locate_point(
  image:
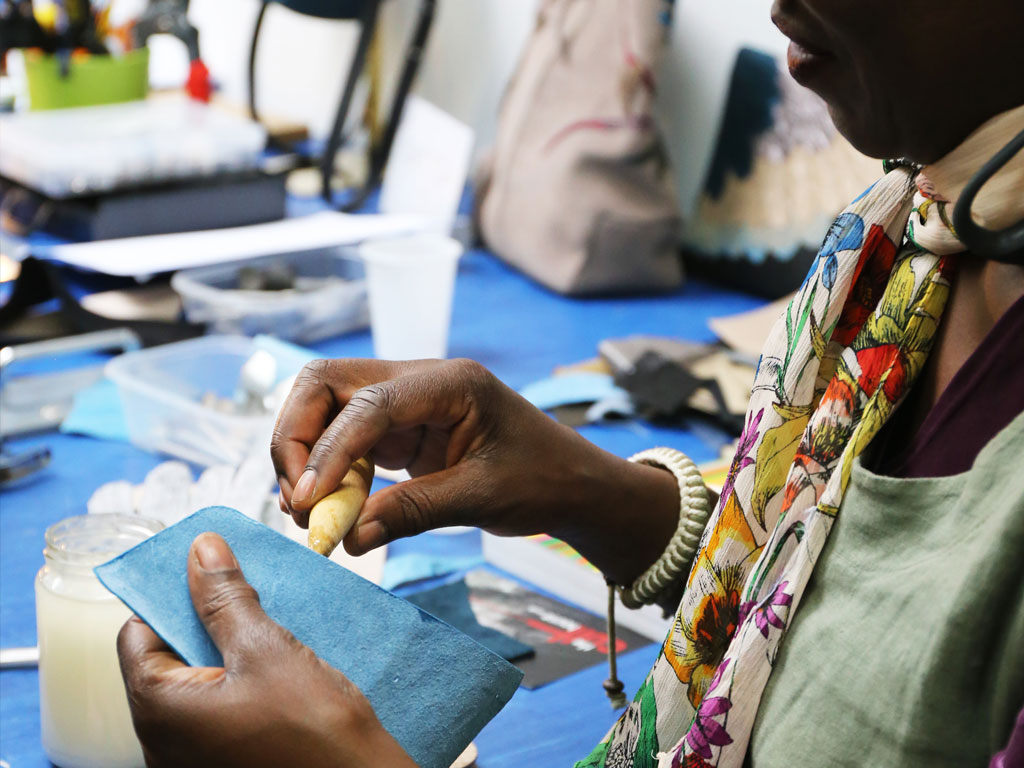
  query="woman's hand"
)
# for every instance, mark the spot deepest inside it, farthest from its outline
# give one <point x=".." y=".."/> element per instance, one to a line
<point x="479" y="454"/>
<point x="273" y="704"/>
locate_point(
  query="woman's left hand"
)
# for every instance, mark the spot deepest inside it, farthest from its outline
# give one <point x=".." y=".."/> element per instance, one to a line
<point x="273" y="703"/>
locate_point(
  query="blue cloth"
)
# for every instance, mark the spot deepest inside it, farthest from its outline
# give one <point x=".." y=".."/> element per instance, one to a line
<point x="416" y="566"/>
<point x="97" y="412"/>
<point x="450" y="602"/>
<point x="432" y="687"/>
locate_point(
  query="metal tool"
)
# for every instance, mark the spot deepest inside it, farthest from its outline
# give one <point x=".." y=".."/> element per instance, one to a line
<point x="14" y="466"/>
<point x="38" y="403"/>
<point x="19" y="658"/>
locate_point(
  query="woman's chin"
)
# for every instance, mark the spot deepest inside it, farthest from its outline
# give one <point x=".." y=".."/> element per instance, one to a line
<point x="868" y="136"/>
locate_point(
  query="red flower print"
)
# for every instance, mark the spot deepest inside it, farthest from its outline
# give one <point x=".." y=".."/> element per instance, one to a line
<point x="695" y="761"/>
<point x="680" y="759"/>
<point x="869" y="281"/>
<point x="874" y="362"/>
<point x="839" y="397"/>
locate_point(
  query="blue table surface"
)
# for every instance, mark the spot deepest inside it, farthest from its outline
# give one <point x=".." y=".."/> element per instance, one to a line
<point x="517" y="329"/>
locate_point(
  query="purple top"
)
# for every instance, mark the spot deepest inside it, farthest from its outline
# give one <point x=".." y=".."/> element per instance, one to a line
<point x="983" y="397"/>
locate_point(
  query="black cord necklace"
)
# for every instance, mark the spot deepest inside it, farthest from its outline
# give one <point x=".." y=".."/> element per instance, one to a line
<point x="1004" y="245"/>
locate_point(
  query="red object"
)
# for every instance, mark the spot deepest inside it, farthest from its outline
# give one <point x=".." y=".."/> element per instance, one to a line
<point x="198" y="83"/>
<point x="585" y="636"/>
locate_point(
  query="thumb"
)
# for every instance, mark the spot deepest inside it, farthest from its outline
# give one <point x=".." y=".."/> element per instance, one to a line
<point x="453" y="496"/>
<point x="226" y="603"/>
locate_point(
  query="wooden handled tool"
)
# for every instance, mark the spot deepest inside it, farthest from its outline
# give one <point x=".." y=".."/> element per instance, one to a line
<point x="333" y="516"/>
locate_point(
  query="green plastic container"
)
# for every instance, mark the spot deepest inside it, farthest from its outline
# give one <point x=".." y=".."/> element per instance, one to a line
<point x="91" y="80"/>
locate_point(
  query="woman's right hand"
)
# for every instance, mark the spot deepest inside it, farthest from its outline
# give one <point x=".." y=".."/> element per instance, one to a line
<point x="479" y="455"/>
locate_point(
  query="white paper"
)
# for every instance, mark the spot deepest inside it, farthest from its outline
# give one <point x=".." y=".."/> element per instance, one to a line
<point x="144" y="256"/>
<point x="428" y="165"/>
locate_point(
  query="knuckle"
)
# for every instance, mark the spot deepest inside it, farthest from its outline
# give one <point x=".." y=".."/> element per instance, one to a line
<point x="472" y="378"/>
<point x="277" y="444"/>
<point x="373" y="397"/>
<point x="314" y="373"/>
<point x="475" y="385"/>
<point x="226" y="595"/>
<point x="328" y="445"/>
<point x="277" y="439"/>
<point x="144" y="695"/>
<point x="469" y="371"/>
<point x="416" y="511"/>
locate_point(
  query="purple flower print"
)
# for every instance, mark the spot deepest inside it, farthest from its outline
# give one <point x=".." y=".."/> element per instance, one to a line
<point x="764" y="612"/>
<point x="706" y="731"/>
<point x="742" y="459"/>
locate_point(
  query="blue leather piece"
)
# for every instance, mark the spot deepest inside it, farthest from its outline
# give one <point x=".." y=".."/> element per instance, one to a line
<point x="432" y="687"/>
<point x="450" y="602"/>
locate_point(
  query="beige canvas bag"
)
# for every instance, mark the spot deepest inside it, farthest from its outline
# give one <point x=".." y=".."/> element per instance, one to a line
<point x="576" y="193"/>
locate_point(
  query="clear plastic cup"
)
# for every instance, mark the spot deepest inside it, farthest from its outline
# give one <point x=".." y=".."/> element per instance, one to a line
<point x="410" y="282"/>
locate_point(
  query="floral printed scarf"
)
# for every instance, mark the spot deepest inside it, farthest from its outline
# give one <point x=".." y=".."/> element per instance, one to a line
<point x="835" y="366"/>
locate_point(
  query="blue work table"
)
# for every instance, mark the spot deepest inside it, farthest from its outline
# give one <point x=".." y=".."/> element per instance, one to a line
<point x="518" y="330"/>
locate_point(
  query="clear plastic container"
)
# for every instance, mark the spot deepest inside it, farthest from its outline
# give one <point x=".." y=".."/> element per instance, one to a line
<point x="89" y="150"/>
<point x="166" y="395"/>
<point x="329" y="297"/>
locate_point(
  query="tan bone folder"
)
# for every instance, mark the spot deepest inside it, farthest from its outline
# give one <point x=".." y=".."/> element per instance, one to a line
<point x="333" y="516"/>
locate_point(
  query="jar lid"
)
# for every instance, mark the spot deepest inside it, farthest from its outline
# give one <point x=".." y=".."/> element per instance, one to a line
<point x="89" y="540"/>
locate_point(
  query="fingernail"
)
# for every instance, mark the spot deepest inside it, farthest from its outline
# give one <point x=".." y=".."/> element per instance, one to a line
<point x="282" y="503"/>
<point x="371" y="535"/>
<point x="213" y="553"/>
<point x="305" y="488"/>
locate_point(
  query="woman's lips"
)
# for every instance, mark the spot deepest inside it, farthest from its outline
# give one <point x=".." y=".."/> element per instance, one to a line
<point x="806" y="59"/>
<point x="806" y="62"/>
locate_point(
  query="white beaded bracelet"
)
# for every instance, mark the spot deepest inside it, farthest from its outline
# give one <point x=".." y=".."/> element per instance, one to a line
<point x="694" y="511"/>
<point x="674" y="563"/>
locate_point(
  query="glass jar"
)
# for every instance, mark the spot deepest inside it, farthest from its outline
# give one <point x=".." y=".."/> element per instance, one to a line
<point x="83" y="707"/>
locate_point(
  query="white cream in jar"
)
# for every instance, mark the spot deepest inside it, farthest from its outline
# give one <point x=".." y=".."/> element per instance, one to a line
<point x="83" y="706"/>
